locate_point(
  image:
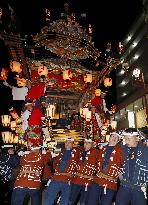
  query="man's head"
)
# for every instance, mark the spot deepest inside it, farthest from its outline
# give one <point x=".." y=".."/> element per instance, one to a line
<point x="146" y="142"/>
<point x="114" y="139"/>
<point x="88" y="143"/>
<point x="131" y="137"/>
<point x="11" y="151"/>
<point x="103" y="94"/>
<point x="33" y="147"/>
<point x="93" y="109"/>
<point x="69" y="143"/>
<point x="29" y="106"/>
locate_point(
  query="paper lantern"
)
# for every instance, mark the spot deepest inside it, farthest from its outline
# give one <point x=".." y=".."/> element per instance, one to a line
<point x="21" y="82"/>
<point x="6" y="136"/>
<point x="4" y="73"/>
<point x="67" y="75"/>
<point x="16" y="139"/>
<point x="11" y="139"/>
<point x="97" y="92"/>
<point x="50" y="111"/>
<point x="43" y="71"/>
<point x="107" y="138"/>
<point x="107" y="82"/>
<point x="13" y="125"/>
<point x="85" y="110"/>
<point x="16" y="67"/>
<point x="88" y="78"/>
<point x="113" y="124"/>
<point x="88" y="116"/>
<point x="6" y="120"/>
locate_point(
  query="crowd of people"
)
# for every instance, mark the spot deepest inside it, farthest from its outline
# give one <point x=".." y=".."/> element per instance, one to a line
<point x="88" y="174"/>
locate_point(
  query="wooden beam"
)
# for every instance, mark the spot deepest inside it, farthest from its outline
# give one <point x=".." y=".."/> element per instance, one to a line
<point x="72" y="97"/>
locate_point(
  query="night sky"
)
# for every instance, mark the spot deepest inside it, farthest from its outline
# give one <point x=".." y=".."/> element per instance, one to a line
<point x="111" y="20"/>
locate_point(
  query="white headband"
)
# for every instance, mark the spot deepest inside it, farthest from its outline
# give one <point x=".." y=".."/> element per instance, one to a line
<point x="130" y="134"/>
<point x="115" y="133"/>
<point x="28" y="103"/>
<point x="35" y="148"/>
<point x="10" y="146"/>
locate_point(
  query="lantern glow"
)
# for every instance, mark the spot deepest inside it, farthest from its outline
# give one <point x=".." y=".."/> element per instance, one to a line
<point x="16" y="67"/>
<point x="6" y="136"/>
<point x="6" y="120"/>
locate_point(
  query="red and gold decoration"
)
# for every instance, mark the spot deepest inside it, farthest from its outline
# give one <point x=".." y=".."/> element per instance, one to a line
<point x="66" y="77"/>
<point x="68" y="41"/>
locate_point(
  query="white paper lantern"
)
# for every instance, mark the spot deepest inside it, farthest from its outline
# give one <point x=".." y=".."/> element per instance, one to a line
<point x="16" y="139"/>
<point x="11" y="139"/>
<point x="50" y="111"/>
<point x="13" y="125"/>
<point x="6" y="136"/>
<point x="43" y="71"/>
<point x="16" y="67"/>
<point x="6" y="119"/>
<point x="85" y="110"/>
<point x="88" y="116"/>
<point x="113" y="124"/>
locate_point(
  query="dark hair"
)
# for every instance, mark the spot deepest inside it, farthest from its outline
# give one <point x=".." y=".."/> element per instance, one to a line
<point x="131" y="130"/>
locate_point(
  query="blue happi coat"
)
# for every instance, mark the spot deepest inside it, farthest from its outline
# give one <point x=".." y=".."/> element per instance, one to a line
<point x="7" y="164"/>
<point x="140" y="172"/>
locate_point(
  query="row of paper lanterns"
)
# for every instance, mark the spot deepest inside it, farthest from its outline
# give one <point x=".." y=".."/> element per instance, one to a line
<point x="43" y="71"/>
<point x="8" y="136"/>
